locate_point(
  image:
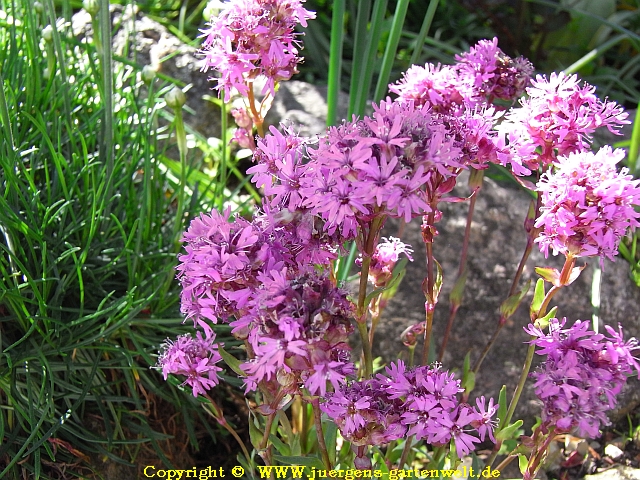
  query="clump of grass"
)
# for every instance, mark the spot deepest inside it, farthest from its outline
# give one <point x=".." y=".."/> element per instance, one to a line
<point x="88" y="242"/>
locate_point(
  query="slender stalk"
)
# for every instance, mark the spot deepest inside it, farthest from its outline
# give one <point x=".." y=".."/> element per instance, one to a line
<point x="335" y="60"/>
<point x="531" y="235"/>
<point x="535" y="460"/>
<point x="315" y="403"/>
<point x="255" y="114"/>
<point x="424" y="30"/>
<point x="405" y="452"/>
<point x="390" y="51"/>
<point x="564" y="277"/>
<point x="361" y="312"/>
<point x="512" y="290"/>
<point x="364" y="81"/>
<point x="219" y="416"/>
<point x="429" y="307"/>
<point x="454" y="303"/>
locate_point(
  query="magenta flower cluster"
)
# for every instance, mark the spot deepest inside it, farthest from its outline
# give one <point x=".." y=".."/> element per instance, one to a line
<point x="252" y="38"/>
<point x="398" y="163"/>
<point x="194" y="358"/>
<point x="298" y="328"/>
<point x="419" y="401"/>
<point x="479" y="76"/>
<point x="587" y="205"/>
<point x="557" y="118"/>
<point x="582" y="374"/>
<point x="259" y="277"/>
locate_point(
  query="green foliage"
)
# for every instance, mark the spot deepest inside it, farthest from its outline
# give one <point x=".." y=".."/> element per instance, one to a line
<point x="89" y="238"/>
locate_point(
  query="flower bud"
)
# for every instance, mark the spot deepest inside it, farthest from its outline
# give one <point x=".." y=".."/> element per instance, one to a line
<point x="38" y="7"/>
<point x="175" y="98"/>
<point x="148" y="74"/>
<point x="91" y="6"/>
<point x="46" y="74"/>
<point x="47" y="34"/>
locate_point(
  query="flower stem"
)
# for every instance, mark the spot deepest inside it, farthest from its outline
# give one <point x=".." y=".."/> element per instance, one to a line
<point x="405" y="452"/>
<point x="361" y="311"/>
<point x="566" y="271"/>
<point x="216" y="411"/>
<point x="532" y="233"/>
<point x="429" y="306"/>
<point x="256" y="115"/>
<point x="315" y="403"/>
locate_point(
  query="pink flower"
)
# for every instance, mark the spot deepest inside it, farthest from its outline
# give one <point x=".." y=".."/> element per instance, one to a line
<point x="193" y="357"/>
<point x="557" y="119"/>
<point x="252" y="38"/>
<point x="587" y="205"/>
<point x="582" y="374"/>
<point x="479" y="76"/>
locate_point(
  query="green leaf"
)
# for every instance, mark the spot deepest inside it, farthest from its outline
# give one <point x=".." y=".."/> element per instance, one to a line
<point x="282" y="447"/>
<point x="509" y="432"/>
<point x="468" y="375"/>
<point x="255" y="434"/>
<point x="455" y="297"/>
<point x="310" y="461"/>
<point x="551" y="275"/>
<point x="330" y="439"/>
<point x="232" y="362"/>
<point x="502" y="404"/>
<point x="543" y="322"/>
<point x="522" y="463"/>
<point x="511" y="304"/>
<point x="538" y="298"/>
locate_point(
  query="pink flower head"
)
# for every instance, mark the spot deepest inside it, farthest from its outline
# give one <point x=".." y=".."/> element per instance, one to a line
<point x="582" y="374"/>
<point x="379" y="165"/>
<point x="587" y="205"/>
<point x="252" y="38"/>
<point x="557" y="119"/>
<point x="419" y="401"/>
<point x="480" y="75"/>
<point x="298" y="328"/>
<point x="193" y="357"/>
<point x="494" y="74"/>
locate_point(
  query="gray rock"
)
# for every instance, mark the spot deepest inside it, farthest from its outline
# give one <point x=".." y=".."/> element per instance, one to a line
<point x="619" y="472"/>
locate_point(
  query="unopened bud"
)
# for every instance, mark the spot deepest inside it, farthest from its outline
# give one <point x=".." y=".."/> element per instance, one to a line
<point x="46" y="73"/>
<point x="148" y="74"/>
<point x="91" y="6"/>
<point x="175" y="98"/>
<point x="38" y="7"/>
<point x="411" y="334"/>
<point x="47" y="34"/>
<point x="242" y="118"/>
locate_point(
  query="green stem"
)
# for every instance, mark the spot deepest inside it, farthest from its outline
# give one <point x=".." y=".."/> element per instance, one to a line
<point x="462" y="267"/>
<point x="564" y="275"/>
<point x="364" y="82"/>
<point x="216" y="411"/>
<point x="335" y="60"/>
<point x="390" y="51"/>
<point x="181" y="139"/>
<point x="359" y="50"/>
<point x="424" y="30"/>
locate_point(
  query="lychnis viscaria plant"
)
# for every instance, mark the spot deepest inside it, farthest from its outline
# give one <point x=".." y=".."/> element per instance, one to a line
<point x="273" y="277"/>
